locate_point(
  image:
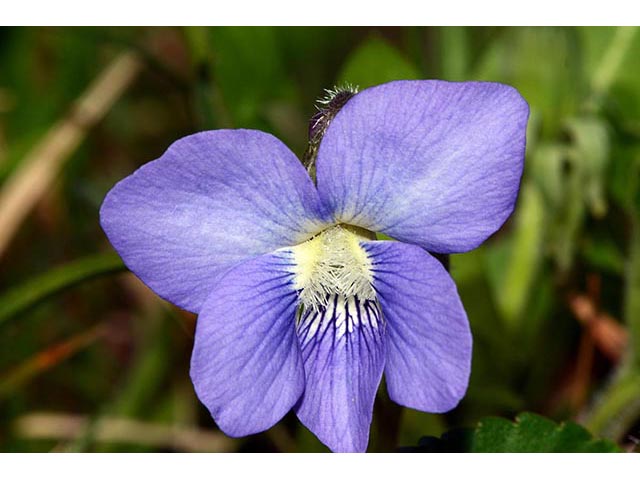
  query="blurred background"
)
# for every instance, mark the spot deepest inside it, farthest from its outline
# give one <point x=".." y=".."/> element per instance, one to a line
<point x="91" y="360"/>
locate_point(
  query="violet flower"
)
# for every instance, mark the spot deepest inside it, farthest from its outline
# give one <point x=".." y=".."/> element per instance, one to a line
<point x="298" y="305"/>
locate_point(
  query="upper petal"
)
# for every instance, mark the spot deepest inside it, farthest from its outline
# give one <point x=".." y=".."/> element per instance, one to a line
<point x="246" y="365"/>
<point x="428" y="162"/>
<point x="428" y="358"/>
<point x="211" y="200"/>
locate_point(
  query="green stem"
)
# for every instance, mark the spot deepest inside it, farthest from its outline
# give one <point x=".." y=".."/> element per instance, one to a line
<point x="611" y="62"/>
<point x="209" y="106"/>
<point x="618" y="408"/>
<point x="387" y="418"/>
<point x="619" y="405"/>
<point x="455" y="57"/>
<point x="38" y="289"/>
<point x="632" y="294"/>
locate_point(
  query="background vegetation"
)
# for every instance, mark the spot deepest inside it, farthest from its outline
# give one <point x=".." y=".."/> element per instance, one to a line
<point x="90" y="360"/>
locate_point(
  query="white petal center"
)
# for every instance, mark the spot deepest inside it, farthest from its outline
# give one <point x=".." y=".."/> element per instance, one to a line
<point x="332" y="263"/>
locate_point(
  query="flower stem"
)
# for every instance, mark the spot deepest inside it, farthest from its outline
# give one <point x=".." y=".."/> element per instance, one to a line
<point x="328" y="107"/>
<point x="387" y="419"/>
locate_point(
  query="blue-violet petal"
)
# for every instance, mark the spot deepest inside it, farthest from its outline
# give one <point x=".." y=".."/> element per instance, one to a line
<point x="428" y="337"/>
<point x="428" y="162"/>
<point x="246" y="364"/>
<point x="211" y="200"/>
<point x="343" y="353"/>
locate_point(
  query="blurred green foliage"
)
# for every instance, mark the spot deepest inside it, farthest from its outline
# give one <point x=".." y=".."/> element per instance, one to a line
<point x="529" y="433"/>
<point x="575" y="234"/>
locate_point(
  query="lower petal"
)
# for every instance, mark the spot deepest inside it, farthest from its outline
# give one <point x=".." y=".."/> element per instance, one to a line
<point x="343" y="353"/>
<point x="428" y="359"/>
<point x="246" y="364"/>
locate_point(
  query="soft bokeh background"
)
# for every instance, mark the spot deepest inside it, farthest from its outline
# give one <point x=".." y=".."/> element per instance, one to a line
<point x="91" y="360"/>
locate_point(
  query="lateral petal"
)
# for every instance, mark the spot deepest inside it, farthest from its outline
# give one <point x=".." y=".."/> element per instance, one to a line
<point x="211" y="200"/>
<point x="246" y="364"/>
<point x="428" y="355"/>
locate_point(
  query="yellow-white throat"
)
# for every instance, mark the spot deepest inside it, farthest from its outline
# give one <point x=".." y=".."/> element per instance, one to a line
<point x="333" y="263"/>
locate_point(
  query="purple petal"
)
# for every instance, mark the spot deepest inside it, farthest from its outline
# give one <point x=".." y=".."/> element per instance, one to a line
<point x="428" y="162"/>
<point x="246" y="365"/>
<point x="428" y="337"/>
<point x="343" y="353"/>
<point x="211" y="200"/>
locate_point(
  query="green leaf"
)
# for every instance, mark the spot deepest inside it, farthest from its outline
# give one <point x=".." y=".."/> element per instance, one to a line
<point x="208" y="102"/>
<point x="589" y="154"/>
<point x="603" y="254"/>
<point x="250" y="70"/>
<point x="568" y="220"/>
<point x="533" y="433"/>
<point x="617" y="408"/>
<point x="623" y="175"/>
<point x="520" y="258"/>
<point x="495" y="361"/>
<point x="543" y="63"/>
<point x="632" y="293"/>
<point x="529" y="433"/>
<point x="37" y="289"/>
<point x="454" y="52"/>
<point x="609" y="62"/>
<point x="572" y="178"/>
<point x="545" y="167"/>
<point x="375" y="62"/>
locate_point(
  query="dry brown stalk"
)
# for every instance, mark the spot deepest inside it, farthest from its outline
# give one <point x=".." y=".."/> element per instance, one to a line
<point x="40" y="168"/>
<point x="609" y="336"/>
<point x="47" y="359"/>
<point x="57" y="426"/>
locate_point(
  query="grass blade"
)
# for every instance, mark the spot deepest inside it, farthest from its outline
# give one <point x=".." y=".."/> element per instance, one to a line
<point x="37" y="289"/>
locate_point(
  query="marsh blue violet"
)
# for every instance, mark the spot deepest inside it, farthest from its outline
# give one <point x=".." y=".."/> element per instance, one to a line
<point x="299" y="306"/>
